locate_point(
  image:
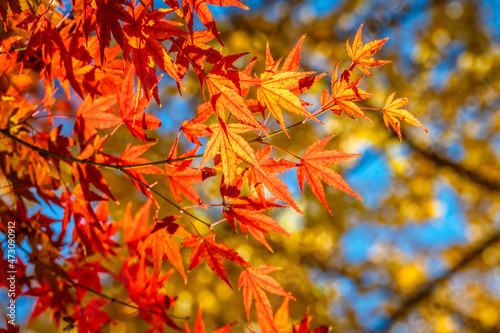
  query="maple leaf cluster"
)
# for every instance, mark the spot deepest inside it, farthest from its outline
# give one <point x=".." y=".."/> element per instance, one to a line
<point x="43" y="165"/>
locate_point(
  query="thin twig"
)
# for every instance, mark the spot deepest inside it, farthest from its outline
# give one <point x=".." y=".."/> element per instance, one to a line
<point x="97" y="164"/>
<point x="189" y="57"/>
<point x="182" y="211"/>
<point x="265" y="137"/>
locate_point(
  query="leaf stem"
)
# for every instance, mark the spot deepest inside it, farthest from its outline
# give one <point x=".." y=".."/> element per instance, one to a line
<point x="281" y="149"/>
<point x="14" y="50"/>
<point x="188" y="56"/>
<point x="149" y="188"/>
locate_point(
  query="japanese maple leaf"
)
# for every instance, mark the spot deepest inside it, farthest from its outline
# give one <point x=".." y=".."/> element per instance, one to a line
<point x="199" y="326"/>
<point x="147" y="292"/>
<point x="131" y="156"/>
<point x="135" y="228"/>
<point x="46" y="38"/>
<point x="255" y="283"/>
<point x="265" y="176"/>
<point x="259" y="225"/>
<point x="88" y="175"/>
<point x="89" y="230"/>
<point x="92" y="115"/>
<point x="90" y="318"/>
<point x="194" y="128"/>
<point x="231" y="146"/>
<point x="393" y="113"/>
<point x="195" y="47"/>
<point x="275" y="89"/>
<point x="131" y="109"/>
<point x="144" y="36"/>
<point x="360" y="53"/>
<point x="313" y="168"/>
<point x="86" y="274"/>
<point x="163" y="245"/>
<point x="206" y="248"/>
<point x="46" y="300"/>
<point x="181" y="176"/>
<point x="14" y="5"/>
<point x="109" y="13"/>
<point x="204" y="13"/>
<point x="227" y="89"/>
<point x="343" y="96"/>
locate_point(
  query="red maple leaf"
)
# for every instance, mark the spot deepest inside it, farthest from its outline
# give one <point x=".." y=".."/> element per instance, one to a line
<point x="109" y="13"/>
<point x="313" y="168"/>
<point x="181" y="176"/>
<point x="204" y="13"/>
<point x="206" y="248"/>
<point x="92" y="115"/>
<point x="143" y="37"/>
<point x="232" y="148"/>
<point x="259" y="225"/>
<point x="131" y="109"/>
<point x="199" y="326"/>
<point x="162" y="244"/>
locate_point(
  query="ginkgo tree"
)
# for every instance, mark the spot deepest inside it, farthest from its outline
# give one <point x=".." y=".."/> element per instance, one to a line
<point x="108" y="57"/>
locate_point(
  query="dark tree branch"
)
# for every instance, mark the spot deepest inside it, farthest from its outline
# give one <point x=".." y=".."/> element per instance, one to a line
<point x="427" y="289"/>
<point x="96" y="164"/>
<point x="478" y="178"/>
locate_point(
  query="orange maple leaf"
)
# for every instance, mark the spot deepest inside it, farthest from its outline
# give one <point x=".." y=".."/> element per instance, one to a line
<point x="194" y="128"/>
<point x="199" y="326"/>
<point x="255" y="282"/>
<point x="360" y="53"/>
<point x="250" y="219"/>
<point x="313" y="168"/>
<point x="163" y="245"/>
<point x="135" y="228"/>
<point x="225" y="96"/>
<point x="264" y="175"/>
<point x="343" y="96"/>
<point x="393" y="113"/>
<point x="92" y="115"/>
<point x="231" y="146"/>
<point x="275" y="89"/>
<point x="181" y="175"/>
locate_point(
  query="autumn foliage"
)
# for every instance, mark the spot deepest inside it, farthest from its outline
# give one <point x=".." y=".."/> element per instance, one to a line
<point x="109" y="56"/>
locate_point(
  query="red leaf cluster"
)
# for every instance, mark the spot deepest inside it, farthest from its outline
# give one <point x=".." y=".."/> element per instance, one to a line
<point x="49" y="166"/>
